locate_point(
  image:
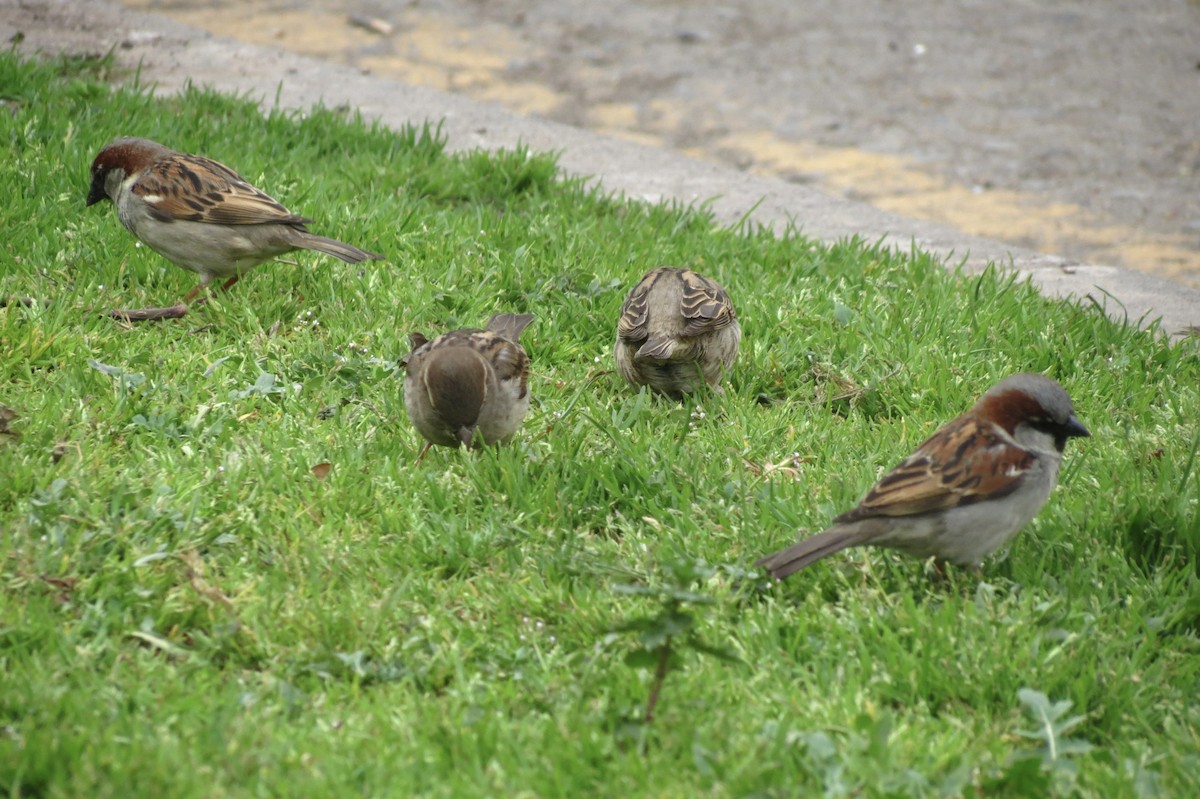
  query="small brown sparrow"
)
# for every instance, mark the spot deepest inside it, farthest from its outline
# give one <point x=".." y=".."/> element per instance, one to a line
<point x="967" y="490"/>
<point x="200" y="215"/>
<point x="468" y="386"/>
<point x="677" y="329"/>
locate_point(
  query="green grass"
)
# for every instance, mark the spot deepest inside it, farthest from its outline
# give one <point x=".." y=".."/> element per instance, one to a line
<point x="187" y="610"/>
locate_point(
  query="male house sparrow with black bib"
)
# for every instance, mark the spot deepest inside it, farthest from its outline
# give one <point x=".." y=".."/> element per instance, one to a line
<point x="967" y="490"/>
<point x="468" y="386"/>
<point x="200" y="215"/>
<point x="677" y="331"/>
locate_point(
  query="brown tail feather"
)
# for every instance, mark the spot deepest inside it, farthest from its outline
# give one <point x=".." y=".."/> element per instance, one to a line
<point x="787" y="561"/>
<point x="509" y="325"/>
<point x="338" y="249"/>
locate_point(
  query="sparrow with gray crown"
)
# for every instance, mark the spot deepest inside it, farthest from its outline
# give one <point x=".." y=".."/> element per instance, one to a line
<point x="967" y="490"/>
<point x="469" y="386"/>
<point x="677" y="331"/>
<point x="200" y="215"/>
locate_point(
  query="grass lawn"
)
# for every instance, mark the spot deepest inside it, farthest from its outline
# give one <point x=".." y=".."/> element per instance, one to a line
<point x="221" y="573"/>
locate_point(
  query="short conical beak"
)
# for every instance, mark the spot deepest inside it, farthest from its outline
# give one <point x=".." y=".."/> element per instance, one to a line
<point x="1075" y="429"/>
<point x="96" y="193"/>
<point x="467" y="436"/>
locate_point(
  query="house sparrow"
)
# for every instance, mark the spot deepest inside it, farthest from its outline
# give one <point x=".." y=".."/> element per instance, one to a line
<point x="677" y="328"/>
<point x="967" y="490"/>
<point x="200" y="215"/>
<point x="468" y="386"/>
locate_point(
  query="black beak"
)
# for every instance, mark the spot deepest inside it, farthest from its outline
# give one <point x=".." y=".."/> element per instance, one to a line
<point x="96" y="192"/>
<point x="1075" y="429"/>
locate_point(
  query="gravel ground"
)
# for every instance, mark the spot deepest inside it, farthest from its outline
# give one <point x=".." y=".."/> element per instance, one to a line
<point x="1065" y="126"/>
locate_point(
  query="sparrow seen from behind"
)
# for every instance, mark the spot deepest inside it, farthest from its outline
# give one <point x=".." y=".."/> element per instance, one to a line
<point x="677" y="331"/>
<point x="468" y="387"/>
<point x="967" y="490"/>
<point x="200" y="215"/>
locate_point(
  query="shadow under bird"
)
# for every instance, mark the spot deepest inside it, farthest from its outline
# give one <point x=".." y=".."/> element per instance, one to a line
<point x="200" y="215"/>
<point x="677" y="331"/>
<point x="469" y="386"/>
<point x="967" y="490"/>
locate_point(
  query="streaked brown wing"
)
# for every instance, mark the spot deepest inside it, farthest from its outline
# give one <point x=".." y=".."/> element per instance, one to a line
<point x="962" y="463"/>
<point x="510" y="362"/>
<point x="631" y="325"/>
<point x="705" y="305"/>
<point x="198" y="189"/>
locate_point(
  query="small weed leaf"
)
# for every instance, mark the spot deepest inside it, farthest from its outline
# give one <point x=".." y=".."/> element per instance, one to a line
<point x="1053" y="725"/>
<point x="125" y="378"/>
<point x="825" y="764"/>
<point x="264" y="386"/>
<point x="1146" y="783"/>
<point x="212" y="367"/>
<point x="660" y="636"/>
<point x="51" y="495"/>
<point x="668" y="625"/>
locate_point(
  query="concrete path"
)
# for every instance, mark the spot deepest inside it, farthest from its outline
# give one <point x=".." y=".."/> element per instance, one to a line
<point x="169" y="54"/>
<point x="1069" y="128"/>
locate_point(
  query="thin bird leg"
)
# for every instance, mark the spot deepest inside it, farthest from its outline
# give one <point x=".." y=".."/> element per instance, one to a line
<point x="421" y="457"/>
<point x="191" y="295"/>
<point x="172" y="312"/>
